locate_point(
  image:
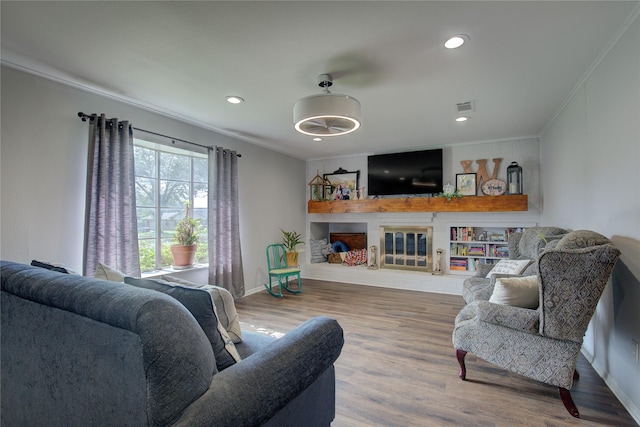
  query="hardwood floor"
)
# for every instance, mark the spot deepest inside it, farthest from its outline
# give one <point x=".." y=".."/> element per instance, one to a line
<point x="398" y="366"/>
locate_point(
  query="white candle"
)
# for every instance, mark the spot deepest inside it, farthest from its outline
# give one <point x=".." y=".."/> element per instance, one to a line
<point x="512" y="188"/>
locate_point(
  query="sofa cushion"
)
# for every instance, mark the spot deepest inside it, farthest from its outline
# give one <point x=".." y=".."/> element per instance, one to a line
<point x="104" y="272"/>
<point x="509" y="266"/>
<point x="224" y="304"/>
<point x="516" y="291"/>
<point x="201" y="306"/>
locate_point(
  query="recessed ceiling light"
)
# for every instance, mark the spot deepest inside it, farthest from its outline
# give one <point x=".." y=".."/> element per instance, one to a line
<point x="234" y="99"/>
<point x="456" y="41"/>
<point x="462" y="119"/>
<point x="317" y="139"/>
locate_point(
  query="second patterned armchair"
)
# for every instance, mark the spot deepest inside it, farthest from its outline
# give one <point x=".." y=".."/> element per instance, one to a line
<point x="543" y="343"/>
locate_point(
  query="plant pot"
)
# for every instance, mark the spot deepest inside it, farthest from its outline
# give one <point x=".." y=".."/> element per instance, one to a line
<point x="183" y="256"/>
<point x="292" y="259"/>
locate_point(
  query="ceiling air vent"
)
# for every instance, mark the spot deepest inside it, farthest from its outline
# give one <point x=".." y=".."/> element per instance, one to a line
<point x="465" y="107"/>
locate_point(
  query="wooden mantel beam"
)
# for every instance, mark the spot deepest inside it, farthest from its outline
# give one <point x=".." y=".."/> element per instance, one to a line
<point x="507" y="203"/>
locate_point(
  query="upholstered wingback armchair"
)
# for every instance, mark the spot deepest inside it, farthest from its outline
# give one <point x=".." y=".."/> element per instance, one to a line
<point x="543" y="343"/>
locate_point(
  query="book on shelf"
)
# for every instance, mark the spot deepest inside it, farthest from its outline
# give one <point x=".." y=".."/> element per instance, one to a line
<point x="463" y="234"/>
<point x="476" y="251"/>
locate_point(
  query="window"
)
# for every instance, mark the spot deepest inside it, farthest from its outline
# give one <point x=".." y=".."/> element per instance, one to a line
<point x="166" y="179"/>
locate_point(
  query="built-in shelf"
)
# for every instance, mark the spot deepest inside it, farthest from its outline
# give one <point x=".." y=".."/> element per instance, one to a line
<point x="507" y="203"/>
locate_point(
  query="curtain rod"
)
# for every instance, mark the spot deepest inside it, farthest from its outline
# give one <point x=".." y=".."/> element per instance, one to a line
<point x="84" y="118"/>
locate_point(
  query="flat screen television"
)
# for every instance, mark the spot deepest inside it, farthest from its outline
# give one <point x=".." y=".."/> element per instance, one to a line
<point x="409" y="173"/>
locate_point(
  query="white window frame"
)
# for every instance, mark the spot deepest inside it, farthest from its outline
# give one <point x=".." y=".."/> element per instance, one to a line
<point x="167" y="149"/>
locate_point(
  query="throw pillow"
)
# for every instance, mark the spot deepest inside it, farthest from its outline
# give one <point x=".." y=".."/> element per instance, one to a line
<point x="516" y="291"/>
<point x="104" y="272"/>
<point x="224" y="304"/>
<point x="317" y="247"/>
<point x="356" y="257"/>
<point x="199" y="303"/>
<point x="54" y="266"/>
<point x="509" y="266"/>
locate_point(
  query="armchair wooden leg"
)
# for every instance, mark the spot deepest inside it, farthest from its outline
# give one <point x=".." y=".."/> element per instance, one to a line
<point x="460" y="354"/>
<point x="565" y="395"/>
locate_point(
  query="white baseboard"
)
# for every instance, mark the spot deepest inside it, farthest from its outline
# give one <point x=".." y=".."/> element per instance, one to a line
<point x="628" y="404"/>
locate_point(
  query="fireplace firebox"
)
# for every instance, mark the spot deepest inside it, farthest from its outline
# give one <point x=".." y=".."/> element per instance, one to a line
<point x="406" y="247"/>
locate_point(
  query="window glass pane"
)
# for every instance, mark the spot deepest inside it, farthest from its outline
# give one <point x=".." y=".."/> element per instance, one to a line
<point x="175" y="166"/>
<point x="147" y="248"/>
<point x="169" y="221"/>
<point x="399" y="243"/>
<point x="145" y="161"/>
<point x="173" y="193"/>
<point x="200" y="196"/>
<point x="165" y="254"/>
<point x="145" y="192"/>
<point x="146" y="223"/>
<point x="200" y="169"/>
<point x="411" y="244"/>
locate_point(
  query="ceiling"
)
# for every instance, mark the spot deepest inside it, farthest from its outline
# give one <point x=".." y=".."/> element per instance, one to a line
<point x="182" y="58"/>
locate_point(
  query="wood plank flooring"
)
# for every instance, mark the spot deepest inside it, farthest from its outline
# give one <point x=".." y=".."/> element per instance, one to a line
<point x="398" y="366"/>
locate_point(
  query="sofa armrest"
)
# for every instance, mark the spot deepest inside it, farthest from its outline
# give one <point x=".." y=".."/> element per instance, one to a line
<point x="520" y="319"/>
<point x="253" y="390"/>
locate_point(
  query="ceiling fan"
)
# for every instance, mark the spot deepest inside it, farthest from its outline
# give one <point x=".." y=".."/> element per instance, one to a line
<point x="326" y="114"/>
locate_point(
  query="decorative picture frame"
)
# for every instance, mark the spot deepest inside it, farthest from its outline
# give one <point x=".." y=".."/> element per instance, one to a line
<point x="343" y="183"/>
<point x="466" y="183"/>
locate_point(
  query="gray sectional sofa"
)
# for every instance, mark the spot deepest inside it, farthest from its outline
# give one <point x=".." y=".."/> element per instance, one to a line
<point x="78" y="351"/>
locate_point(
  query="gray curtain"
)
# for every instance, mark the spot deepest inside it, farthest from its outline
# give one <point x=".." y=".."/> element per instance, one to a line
<point x="111" y="234"/>
<point x="225" y="257"/>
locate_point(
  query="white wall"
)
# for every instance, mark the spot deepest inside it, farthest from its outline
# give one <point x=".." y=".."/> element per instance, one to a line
<point x="44" y="158"/>
<point x="590" y="180"/>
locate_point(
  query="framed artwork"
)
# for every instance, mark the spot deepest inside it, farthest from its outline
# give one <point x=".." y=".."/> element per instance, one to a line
<point x="466" y="183"/>
<point x="343" y="184"/>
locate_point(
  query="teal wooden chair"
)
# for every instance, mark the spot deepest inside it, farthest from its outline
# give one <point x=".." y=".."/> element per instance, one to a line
<point x="280" y="271"/>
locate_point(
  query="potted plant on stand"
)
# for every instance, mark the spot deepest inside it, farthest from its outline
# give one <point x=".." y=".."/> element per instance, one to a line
<point x="291" y="239"/>
<point x="186" y="238"/>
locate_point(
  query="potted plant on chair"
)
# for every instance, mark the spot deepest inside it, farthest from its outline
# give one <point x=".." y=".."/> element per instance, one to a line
<point x="291" y="239"/>
<point x="186" y="238"/>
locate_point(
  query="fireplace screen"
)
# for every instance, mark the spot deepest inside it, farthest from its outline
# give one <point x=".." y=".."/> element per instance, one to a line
<point x="408" y="248"/>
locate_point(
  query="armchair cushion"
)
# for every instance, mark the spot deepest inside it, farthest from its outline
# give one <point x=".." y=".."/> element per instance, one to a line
<point x="517" y="318"/>
<point x="516" y="291"/>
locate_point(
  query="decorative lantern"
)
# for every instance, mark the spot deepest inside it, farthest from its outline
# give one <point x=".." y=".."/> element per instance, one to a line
<point x="514" y="178"/>
<point x="319" y="188"/>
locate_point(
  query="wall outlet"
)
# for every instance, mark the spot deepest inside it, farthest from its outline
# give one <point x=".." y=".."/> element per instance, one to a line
<point x="636" y="350"/>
